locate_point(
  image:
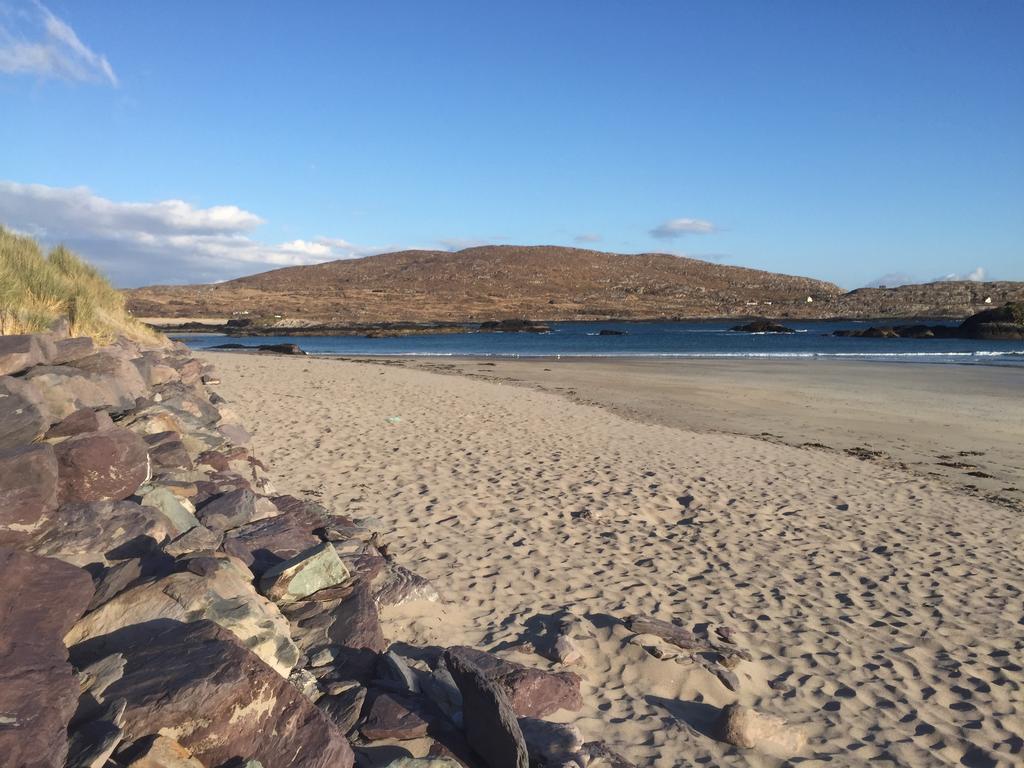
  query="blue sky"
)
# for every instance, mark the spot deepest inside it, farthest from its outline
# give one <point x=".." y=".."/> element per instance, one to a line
<point x="182" y="142"/>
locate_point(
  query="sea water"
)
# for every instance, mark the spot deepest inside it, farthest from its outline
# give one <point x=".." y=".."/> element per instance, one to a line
<point x="711" y="339"/>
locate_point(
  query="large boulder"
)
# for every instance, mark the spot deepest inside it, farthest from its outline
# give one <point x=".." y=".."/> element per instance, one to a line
<point x="531" y="692"/>
<point x="28" y="491"/>
<point x="230" y="510"/>
<point x="999" y="323"/>
<point x="102" y="532"/>
<point x="356" y="628"/>
<point x="102" y="466"/>
<point x="217" y="588"/>
<point x="197" y="683"/>
<point x="69" y="350"/>
<point x="18" y="353"/>
<point x="488" y="718"/>
<point x="23" y="417"/>
<point x="40" y="600"/>
<point x="305" y="574"/>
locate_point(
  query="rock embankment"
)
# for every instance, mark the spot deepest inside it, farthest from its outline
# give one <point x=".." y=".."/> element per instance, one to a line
<point x="163" y="605"/>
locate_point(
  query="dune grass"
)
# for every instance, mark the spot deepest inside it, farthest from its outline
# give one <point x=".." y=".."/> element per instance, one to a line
<point x="37" y="289"/>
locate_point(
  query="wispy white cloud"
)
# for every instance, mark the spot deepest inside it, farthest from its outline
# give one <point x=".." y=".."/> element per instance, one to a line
<point x="34" y="41"/>
<point x="893" y="279"/>
<point x="673" y="228"/>
<point x="165" y="241"/>
<point x="588" y="237"/>
<point x="976" y="275"/>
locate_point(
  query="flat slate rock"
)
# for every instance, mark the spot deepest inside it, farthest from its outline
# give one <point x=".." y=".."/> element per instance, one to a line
<point x="228" y="510"/>
<point x="41" y="599"/>
<point x="393" y="716"/>
<point x="82" y="420"/>
<point x="18" y="353"/>
<point x="197" y="681"/>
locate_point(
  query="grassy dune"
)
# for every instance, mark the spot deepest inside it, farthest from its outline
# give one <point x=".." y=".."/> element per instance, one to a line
<point x="36" y="289"/>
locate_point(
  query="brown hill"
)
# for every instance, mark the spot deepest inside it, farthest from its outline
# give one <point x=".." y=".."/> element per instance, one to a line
<point x="549" y="283"/>
<point x="539" y="282"/>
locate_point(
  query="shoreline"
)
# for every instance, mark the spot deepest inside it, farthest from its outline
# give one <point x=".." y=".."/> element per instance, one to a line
<point x="681" y="395"/>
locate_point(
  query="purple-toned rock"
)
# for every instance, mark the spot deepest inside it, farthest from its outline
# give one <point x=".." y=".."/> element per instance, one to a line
<point x="488" y="718"/>
<point x="22" y="415"/>
<point x="28" y="492"/>
<point x="69" y="350"/>
<point x="83" y="533"/>
<point x="18" y="353"/>
<point x="167" y="451"/>
<point x="219" y="700"/>
<point x="228" y="510"/>
<point x="270" y="541"/>
<point x="102" y="466"/>
<point x="41" y="599"/>
<point x="531" y="692"/>
<point x="81" y="421"/>
<point x="394" y="717"/>
<point x="357" y="629"/>
<point x="344" y="708"/>
<point x="96" y="381"/>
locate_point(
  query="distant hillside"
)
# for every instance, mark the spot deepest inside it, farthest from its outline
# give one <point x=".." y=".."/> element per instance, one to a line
<point x="548" y="283"/>
<point x="492" y="282"/>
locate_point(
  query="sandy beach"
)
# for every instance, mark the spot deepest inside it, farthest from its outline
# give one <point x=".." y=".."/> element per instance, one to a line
<point x="881" y="604"/>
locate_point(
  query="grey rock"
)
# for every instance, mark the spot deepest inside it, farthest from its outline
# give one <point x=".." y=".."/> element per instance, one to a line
<point x="18" y="353"/>
<point x="344" y="708"/>
<point x="301" y="576"/>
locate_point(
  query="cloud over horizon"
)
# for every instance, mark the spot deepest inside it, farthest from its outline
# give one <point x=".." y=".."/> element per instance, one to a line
<point x="674" y="228"/>
<point x="168" y="241"/>
<point x="894" y="279"/>
<point x="36" y="42"/>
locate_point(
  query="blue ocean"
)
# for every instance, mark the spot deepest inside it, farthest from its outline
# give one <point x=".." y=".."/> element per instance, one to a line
<point x="656" y="340"/>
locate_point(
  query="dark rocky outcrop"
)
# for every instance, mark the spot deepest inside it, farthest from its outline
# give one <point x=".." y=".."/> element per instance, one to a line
<point x="1004" y="323"/>
<point x="40" y="600"/>
<point x="762" y="326"/>
<point x="611" y="332"/>
<point x="514" y="326"/>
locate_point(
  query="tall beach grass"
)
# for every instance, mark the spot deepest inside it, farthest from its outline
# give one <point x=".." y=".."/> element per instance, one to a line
<point x="37" y="289"/>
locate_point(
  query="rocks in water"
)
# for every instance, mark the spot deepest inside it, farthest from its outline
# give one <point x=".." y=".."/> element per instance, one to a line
<point x="747" y="728"/>
<point x="611" y="332"/>
<point x="1004" y="323"/>
<point x="762" y="326"/>
<point x="301" y="576"/>
<point x="393" y="716"/>
<point x="217" y="588"/>
<point x="489" y="720"/>
<point x="41" y="599"/>
<point x="197" y="682"/>
<point x="515" y="326"/>
<point x="102" y="466"/>
<point x="531" y="692"/>
<point x="28" y="491"/>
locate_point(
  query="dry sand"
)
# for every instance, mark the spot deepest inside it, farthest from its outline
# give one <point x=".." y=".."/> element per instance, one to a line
<point x="891" y="604"/>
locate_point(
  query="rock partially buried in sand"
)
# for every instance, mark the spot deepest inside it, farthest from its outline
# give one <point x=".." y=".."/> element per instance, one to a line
<point x="750" y="729"/>
<point x="306" y="573"/>
<point x="489" y="721"/>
